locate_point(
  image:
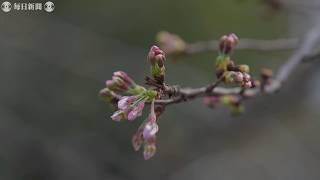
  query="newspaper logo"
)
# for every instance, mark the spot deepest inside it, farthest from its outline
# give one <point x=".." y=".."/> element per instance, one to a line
<point x="49" y="6"/>
<point x="7" y="6"/>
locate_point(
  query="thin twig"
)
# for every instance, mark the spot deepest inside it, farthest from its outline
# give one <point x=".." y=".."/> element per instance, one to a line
<point x="244" y="44"/>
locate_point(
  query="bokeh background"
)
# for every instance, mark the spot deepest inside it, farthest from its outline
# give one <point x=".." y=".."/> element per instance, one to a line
<point x="53" y="125"/>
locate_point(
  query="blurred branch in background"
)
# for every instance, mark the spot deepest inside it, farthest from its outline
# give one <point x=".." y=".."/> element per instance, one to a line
<point x="173" y="44"/>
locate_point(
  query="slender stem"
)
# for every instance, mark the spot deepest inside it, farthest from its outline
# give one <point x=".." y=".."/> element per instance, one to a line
<point x="244" y="44"/>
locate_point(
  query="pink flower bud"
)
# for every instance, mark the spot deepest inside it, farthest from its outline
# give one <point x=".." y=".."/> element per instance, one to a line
<point x="156" y="56"/>
<point x="137" y="140"/>
<point x="227" y="43"/>
<point x="122" y="75"/>
<point x="247" y="84"/>
<point x="238" y="76"/>
<point x="246" y="77"/>
<point x="149" y="148"/>
<point x="150" y="130"/>
<point x="120" y="82"/>
<point x="118" y="115"/>
<point x="125" y="102"/>
<point x="136" y="111"/>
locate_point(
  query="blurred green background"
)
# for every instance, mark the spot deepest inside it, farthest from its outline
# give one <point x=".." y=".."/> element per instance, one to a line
<point x="53" y="125"/>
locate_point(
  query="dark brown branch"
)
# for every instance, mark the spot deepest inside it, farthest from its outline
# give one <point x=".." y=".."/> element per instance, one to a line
<point x="303" y="53"/>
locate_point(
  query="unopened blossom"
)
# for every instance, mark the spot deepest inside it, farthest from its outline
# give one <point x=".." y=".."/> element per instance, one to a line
<point x="149" y="148"/>
<point x="157" y="59"/>
<point x="232" y="76"/>
<point x="244" y="68"/>
<point x="151" y="127"/>
<point x="124" y="76"/>
<point x="129" y="108"/>
<point x="120" y="82"/>
<point x="156" y="56"/>
<point x="228" y="43"/>
<point x="136" y="111"/>
<point x="247" y="84"/>
<point x="109" y="96"/>
<point x="146" y="135"/>
<point x="137" y="138"/>
<point x="125" y="102"/>
<point x="222" y="64"/>
<point x="118" y="115"/>
<point x="148" y="141"/>
<point x="247" y="81"/>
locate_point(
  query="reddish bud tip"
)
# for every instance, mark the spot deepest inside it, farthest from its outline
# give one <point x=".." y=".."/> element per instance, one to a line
<point x="227" y="43"/>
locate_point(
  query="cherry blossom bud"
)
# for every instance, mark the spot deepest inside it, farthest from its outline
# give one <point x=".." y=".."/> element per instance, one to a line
<point x="222" y="64"/>
<point x="122" y="75"/>
<point x="137" y="139"/>
<point x="247" y="84"/>
<point x="227" y="43"/>
<point x="125" y="102"/>
<point x="246" y="77"/>
<point x="244" y="68"/>
<point x="118" y="115"/>
<point x="151" y="127"/>
<point x="171" y="43"/>
<point x="120" y="82"/>
<point x="231" y="66"/>
<point x="156" y="56"/>
<point x="107" y="94"/>
<point x="238" y="77"/>
<point x="231" y="76"/>
<point x="150" y="130"/>
<point x="136" y="111"/>
<point x="149" y="148"/>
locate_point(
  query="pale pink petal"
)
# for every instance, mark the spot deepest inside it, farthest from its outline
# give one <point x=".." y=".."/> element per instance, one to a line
<point x="137" y="141"/>
<point x="150" y="130"/>
<point x="125" y="102"/>
<point x="136" y="111"/>
<point x="149" y="150"/>
<point x="118" y="116"/>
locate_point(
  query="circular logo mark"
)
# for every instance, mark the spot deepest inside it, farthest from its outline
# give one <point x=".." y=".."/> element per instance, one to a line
<point x="6" y="6"/>
<point x="49" y="6"/>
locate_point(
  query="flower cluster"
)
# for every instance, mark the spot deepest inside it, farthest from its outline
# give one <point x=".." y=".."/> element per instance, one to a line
<point x="130" y="99"/>
<point x="227" y="69"/>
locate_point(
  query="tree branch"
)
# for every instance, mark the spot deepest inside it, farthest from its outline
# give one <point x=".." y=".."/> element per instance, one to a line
<point x="302" y="53"/>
